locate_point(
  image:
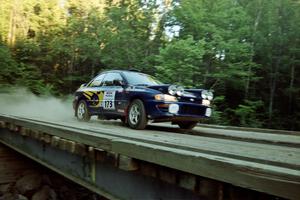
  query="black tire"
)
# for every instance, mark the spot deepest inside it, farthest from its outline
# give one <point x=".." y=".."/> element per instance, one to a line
<point x="82" y="112"/>
<point x="187" y="125"/>
<point x="136" y="115"/>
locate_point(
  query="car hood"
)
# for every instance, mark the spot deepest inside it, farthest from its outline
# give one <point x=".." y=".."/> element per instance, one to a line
<point x="189" y="93"/>
<point x="162" y="88"/>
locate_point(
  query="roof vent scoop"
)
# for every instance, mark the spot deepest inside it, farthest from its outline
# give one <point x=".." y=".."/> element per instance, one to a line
<point x="134" y="70"/>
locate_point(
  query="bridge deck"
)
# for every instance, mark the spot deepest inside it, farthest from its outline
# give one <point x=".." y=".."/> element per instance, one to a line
<point x="266" y="162"/>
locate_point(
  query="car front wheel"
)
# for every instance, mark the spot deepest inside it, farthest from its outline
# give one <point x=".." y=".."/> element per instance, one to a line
<point x="82" y="112"/>
<point x="187" y="125"/>
<point x="137" y="115"/>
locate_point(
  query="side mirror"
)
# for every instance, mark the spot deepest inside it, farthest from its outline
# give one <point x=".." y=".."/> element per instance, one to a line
<point x="118" y="83"/>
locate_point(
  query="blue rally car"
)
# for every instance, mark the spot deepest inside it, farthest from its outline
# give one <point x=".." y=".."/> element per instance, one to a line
<point x="137" y="98"/>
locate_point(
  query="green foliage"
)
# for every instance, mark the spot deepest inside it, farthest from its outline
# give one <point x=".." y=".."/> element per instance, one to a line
<point x="249" y="113"/>
<point x="32" y="79"/>
<point x="18" y="73"/>
<point x="218" y="115"/>
<point x="179" y="61"/>
<point x="8" y="67"/>
<point x="127" y="35"/>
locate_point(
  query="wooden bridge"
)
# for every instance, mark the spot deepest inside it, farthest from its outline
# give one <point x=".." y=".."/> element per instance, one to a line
<point x="162" y="162"/>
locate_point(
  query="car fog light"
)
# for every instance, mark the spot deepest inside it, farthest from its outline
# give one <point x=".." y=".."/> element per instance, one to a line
<point x="205" y="102"/>
<point x="208" y="112"/>
<point x="173" y="108"/>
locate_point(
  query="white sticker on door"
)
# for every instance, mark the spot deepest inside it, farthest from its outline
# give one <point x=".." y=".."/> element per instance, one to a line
<point x="108" y="101"/>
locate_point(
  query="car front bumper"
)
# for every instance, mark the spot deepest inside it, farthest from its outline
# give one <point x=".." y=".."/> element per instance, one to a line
<point x="166" y="111"/>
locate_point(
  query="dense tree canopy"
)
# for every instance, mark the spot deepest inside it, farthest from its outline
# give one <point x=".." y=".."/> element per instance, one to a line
<point x="247" y="52"/>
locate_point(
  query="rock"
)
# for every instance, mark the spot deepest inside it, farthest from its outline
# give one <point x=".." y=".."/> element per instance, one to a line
<point x="8" y="196"/>
<point x="4" y="188"/>
<point x="45" y="193"/>
<point x="11" y="196"/>
<point x="29" y="183"/>
<point x="66" y="193"/>
<point x="21" y="197"/>
<point x="29" y="171"/>
<point x="46" y="180"/>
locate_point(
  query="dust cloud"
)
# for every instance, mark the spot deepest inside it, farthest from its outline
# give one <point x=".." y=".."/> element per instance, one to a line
<point x="21" y="102"/>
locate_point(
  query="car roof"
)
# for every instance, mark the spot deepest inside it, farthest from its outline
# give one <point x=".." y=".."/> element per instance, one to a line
<point x="121" y="70"/>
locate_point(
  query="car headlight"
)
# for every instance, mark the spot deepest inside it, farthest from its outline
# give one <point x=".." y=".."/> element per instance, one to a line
<point x="207" y="95"/>
<point x="210" y="95"/>
<point x="165" y="97"/>
<point x="204" y="94"/>
<point x="172" y="89"/>
<point x="180" y="91"/>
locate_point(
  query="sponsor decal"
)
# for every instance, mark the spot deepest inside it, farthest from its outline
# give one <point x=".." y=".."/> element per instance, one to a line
<point x="106" y="100"/>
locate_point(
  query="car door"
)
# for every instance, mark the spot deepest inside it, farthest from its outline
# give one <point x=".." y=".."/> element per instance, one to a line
<point x="113" y="95"/>
<point x="93" y="94"/>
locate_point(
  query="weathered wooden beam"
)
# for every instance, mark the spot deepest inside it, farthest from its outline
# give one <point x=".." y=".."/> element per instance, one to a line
<point x="127" y="163"/>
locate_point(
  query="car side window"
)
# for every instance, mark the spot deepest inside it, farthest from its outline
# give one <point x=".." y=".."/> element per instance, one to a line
<point x="111" y="79"/>
<point x="97" y="81"/>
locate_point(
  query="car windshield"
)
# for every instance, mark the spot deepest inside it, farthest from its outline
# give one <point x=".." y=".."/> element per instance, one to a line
<point x="135" y="78"/>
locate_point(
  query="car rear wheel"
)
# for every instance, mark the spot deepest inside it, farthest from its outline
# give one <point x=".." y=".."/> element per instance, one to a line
<point x="187" y="125"/>
<point x="82" y="112"/>
<point x="137" y="115"/>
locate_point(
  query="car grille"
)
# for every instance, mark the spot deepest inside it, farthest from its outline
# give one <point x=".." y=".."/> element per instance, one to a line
<point x="190" y="100"/>
<point x="192" y="110"/>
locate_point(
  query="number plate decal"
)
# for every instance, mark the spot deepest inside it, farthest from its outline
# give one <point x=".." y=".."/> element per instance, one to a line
<point x="108" y="101"/>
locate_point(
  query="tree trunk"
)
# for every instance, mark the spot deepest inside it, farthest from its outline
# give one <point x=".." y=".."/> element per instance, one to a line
<point x="256" y="23"/>
<point x="248" y="82"/>
<point x="291" y="88"/>
<point x="273" y="81"/>
<point x="272" y="92"/>
<point x="12" y="27"/>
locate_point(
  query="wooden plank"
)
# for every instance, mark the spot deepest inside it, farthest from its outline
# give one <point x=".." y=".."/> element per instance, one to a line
<point x="70" y="146"/>
<point x="126" y="163"/>
<point x="55" y="141"/>
<point x="264" y="178"/>
<point x="2" y="124"/>
<point x="187" y="181"/>
<point x="168" y="175"/>
<point x="80" y="149"/>
<point x="245" y="129"/>
<point x="47" y="138"/>
<point x="260" y="137"/>
<point x="148" y="169"/>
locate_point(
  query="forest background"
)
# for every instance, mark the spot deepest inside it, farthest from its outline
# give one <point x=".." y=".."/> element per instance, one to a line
<point x="246" y="51"/>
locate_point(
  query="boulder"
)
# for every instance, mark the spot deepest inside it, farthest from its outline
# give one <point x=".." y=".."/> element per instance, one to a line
<point x="29" y="183"/>
<point x="67" y="193"/>
<point x="11" y="196"/>
<point x="45" y="193"/>
<point x="5" y="188"/>
<point x="46" y="180"/>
